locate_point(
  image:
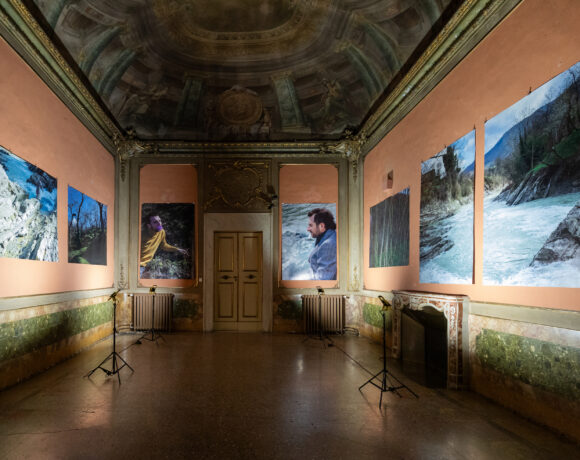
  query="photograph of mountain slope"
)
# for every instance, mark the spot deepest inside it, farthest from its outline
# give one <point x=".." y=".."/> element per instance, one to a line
<point x="532" y="188"/>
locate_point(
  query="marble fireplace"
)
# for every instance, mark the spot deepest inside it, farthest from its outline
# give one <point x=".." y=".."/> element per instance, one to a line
<point x="455" y="308"/>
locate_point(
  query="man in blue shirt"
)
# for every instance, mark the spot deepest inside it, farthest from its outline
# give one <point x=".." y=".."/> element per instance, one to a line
<point x="321" y="225"/>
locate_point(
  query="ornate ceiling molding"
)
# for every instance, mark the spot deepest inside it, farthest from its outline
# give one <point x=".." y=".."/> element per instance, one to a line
<point x="21" y="30"/>
<point x="468" y="26"/>
<point x="301" y="27"/>
<point x="472" y="21"/>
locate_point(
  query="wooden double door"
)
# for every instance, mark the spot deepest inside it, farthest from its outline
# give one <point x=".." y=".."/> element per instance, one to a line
<point x="238" y="281"/>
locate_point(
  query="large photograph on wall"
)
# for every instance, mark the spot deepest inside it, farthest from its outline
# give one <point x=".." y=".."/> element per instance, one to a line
<point x="167" y="241"/>
<point x="27" y="210"/>
<point x="87" y="229"/>
<point x="309" y="241"/>
<point x="446" y="221"/>
<point x="389" y="231"/>
<point x="532" y="188"/>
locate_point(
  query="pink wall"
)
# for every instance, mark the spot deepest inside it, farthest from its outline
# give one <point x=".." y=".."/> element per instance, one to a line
<point x="170" y="184"/>
<point x="36" y="126"/>
<point x="308" y="184"/>
<point x="536" y="42"/>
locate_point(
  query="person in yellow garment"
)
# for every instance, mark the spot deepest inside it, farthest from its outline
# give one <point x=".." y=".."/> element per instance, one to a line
<point x="156" y="240"/>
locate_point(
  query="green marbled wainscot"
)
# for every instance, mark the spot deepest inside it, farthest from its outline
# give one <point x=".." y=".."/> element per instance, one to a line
<point x="18" y="338"/>
<point x="554" y="368"/>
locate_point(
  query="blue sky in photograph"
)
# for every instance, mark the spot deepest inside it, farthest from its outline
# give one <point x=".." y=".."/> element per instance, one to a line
<point x="90" y="206"/>
<point x="498" y="125"/>
<point x="18" y="172"/>
<point x="465" y="150"/>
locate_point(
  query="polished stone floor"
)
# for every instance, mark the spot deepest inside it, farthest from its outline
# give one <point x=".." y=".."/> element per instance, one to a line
<point x="253" y="396"/>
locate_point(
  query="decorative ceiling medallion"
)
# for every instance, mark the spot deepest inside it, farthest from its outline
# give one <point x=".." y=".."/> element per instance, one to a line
<point x="239" y="106"/>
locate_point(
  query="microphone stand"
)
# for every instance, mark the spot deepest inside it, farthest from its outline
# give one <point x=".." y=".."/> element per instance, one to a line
<point x="388" y="382"/>
<point x="153" y="337"/>
<point x="114" y="356"/>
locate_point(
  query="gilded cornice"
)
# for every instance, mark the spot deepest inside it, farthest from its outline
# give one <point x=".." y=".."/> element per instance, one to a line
<point x="239" y="147"/>
<point x="473" y="20"/>
<point x="130" y="146"/>
<point x="351" y="147"/>
<point x="19" y="28"/>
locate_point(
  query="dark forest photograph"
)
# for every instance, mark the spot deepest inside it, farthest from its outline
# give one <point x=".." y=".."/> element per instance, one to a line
<point x="87" y="229"/>
<point x="389" y="234"/>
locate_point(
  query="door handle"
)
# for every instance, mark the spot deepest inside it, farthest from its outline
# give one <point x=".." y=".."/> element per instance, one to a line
<point x="226" y="277"/>
<point x="251" y="277"/>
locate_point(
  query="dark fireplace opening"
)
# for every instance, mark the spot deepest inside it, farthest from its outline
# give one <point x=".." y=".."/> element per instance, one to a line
<point x="424" y="346"/>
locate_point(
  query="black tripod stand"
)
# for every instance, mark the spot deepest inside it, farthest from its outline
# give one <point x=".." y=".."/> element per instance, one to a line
<point x="388" y="381"/>
<point x="321" y="335"/>
<point x="114" y="356"/>
<point x="154" y="337"/>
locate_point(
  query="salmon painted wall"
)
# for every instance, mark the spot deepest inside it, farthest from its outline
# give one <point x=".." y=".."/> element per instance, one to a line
<point x="538" y="41"/>
<point x="308" y="184"/>
<point x="160" y="183"/>
<point x="36" y="126"/>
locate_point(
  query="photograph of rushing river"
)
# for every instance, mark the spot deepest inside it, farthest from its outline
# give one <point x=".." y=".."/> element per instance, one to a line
<point x="446" y="222"/>
<point x="297" y="243"/>
<point x="531" y="233"/>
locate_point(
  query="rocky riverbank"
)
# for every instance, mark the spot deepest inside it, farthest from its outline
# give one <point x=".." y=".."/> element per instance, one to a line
<point x="564" y="242"/>
<point x="25" y="232"/>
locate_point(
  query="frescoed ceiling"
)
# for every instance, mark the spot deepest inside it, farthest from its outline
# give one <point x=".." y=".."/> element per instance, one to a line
<point x="242" y="70"/>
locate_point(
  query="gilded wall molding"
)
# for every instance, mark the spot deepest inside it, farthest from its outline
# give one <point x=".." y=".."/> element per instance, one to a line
<point x="238" y="186"/>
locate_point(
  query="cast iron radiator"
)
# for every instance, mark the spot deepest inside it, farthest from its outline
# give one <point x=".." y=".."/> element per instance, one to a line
<point x="142" y="311"/>
<point x="331" y="312"/>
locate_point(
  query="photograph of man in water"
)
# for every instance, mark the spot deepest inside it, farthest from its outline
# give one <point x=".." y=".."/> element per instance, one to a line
<point x="322" y="259"/>
<point x="309" y="241"/>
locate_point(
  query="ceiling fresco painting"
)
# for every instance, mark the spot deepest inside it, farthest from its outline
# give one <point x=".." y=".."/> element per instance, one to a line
<point x="241" y="70"/>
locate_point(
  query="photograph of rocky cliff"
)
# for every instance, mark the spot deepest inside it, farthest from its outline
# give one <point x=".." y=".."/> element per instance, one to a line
<point x="532" y="188"/>
<point x="389" y="234"/>
<point x="87" y="229"/>
<point x="27" y="210"/>
<point x="446" y="219"/>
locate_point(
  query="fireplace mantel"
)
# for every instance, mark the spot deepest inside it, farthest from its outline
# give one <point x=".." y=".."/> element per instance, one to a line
<point x="455" y="308"/>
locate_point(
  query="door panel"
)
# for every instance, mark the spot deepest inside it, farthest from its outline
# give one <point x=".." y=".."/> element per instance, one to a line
<point x="226" y="302"/>
<point x="238" y="279"/>
<point x="226" y="277"/>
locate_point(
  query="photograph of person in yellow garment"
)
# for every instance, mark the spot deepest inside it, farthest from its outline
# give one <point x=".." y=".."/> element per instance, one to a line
<point x="167" y="237"/>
